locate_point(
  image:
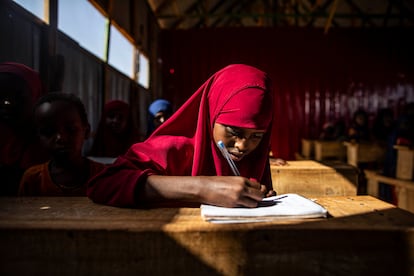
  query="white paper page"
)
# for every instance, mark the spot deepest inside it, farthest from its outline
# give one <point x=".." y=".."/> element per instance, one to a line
<point x="281" y="206"/>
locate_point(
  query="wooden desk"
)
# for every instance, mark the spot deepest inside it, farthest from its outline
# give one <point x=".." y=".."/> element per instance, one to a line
<point x="308" y="148"/>
<point x="404" y="188"/>
<point x="357" y="153"/>
<point x="329" y="150"/>
<point x="73" y="236"/>
<point x="311" y="178"/>
<point x="405" y="162"/>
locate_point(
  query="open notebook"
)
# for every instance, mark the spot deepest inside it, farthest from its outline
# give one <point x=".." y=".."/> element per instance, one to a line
<point x="271" y="208"/>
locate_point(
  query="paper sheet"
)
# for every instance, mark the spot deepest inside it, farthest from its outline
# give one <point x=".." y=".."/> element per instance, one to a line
<point x="271" y="208"/>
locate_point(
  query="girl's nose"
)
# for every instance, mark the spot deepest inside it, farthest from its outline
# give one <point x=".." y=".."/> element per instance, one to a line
<point x="242" y="144"/>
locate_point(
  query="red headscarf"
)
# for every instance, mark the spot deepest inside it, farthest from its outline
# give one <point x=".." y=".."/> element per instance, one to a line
<point x="237" y="95"/>
<point x="16" y="145"/>
<point x="19" y="148"/>
<point x="30" y="76"/>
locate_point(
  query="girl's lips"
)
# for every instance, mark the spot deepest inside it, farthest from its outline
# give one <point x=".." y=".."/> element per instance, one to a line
<point x="236" y="157"/>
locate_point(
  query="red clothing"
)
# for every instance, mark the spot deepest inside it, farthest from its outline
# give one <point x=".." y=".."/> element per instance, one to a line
<point x="237" y="95"/>
<point x="37" y="181"/>
<point x="19" y="146"/>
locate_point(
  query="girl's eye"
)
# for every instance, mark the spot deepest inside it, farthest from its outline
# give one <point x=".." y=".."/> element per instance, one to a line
<point x="233" y="132"/>
<point x="257" y="135"/>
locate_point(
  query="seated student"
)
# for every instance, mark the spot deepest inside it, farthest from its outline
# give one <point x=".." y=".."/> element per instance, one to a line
<point x="333" y="131"/>
<point x="158" y="111"/>
<point x="359" y="130"/>
<point x="402" y="134"/>
<point x="115" y="133"/>
<point x="20" y="87"/>
<point x="383" y="125"/>
<point x="62" y="126"/>
<point x="180" y="164"/>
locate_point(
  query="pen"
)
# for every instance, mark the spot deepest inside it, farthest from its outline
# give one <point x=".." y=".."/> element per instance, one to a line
<point x="227" y="156"/>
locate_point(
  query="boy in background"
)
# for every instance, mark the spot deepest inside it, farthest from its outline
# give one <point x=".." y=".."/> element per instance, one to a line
<point x="62" y="126"/>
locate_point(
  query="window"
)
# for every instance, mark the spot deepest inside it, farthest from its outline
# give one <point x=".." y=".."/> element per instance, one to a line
<point x="121" y="52"/>
<point x="37" y="7"/>
<point x="80" y="20"/>
<point x="143" y="73"/>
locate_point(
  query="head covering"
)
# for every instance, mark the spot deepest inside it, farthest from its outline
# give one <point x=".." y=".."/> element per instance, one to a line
<point x="19" y="146"/>
<point x="109" y="144"/>
<point x="30" y="76"/>
<point x="238" y="95"/>
<point x="159" y="105"/>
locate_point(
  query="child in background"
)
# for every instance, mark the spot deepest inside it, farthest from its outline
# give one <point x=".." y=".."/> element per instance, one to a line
<point x="158" y="112"/>
<point x="62" y="126"/>
<point x="359" y="130"/>
<point x="180" y="164"/>
<point x="20" y="87"/>
<point x="383" y="125"/>
<point x="115" y="133"/>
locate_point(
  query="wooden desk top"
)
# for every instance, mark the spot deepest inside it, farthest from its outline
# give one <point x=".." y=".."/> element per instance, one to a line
<point x="81" y="213"/>
<point x="74" y="236"/>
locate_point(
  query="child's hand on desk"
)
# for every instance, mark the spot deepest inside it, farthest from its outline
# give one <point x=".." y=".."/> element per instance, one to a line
<point x="231" y="191"/>
<point x="280" y="162"/>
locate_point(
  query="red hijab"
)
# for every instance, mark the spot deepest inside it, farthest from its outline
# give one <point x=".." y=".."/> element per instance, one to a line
<point x="237" y="95"/>
<point x="16" y="145"/>
<point x="26" y="73"/>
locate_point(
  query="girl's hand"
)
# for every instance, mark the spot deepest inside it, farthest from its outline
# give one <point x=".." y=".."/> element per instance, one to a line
<point x="231" y="191"/>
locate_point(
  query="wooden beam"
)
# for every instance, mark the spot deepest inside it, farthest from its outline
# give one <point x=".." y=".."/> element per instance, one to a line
<point x="331" y="15"/>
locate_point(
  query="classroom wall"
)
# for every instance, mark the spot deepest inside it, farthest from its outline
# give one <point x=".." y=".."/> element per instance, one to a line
<point x="316" y="77"/>
<point x="71" y="69"/>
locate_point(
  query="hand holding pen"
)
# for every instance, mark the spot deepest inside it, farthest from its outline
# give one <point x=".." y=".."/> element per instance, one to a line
<point x="236" y="172"/>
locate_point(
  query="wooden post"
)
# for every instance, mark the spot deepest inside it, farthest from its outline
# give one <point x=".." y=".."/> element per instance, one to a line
<point x="405" y="162"/>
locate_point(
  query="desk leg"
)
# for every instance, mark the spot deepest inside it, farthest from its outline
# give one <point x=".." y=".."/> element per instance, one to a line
<point x="402" y="198"/>
<point x="372" y="187"/>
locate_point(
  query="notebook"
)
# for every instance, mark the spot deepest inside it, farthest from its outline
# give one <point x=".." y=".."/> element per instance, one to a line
<point x="286" y="206"/>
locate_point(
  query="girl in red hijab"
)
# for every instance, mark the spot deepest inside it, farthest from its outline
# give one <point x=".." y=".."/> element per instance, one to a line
<point x="20" y="87"/>
<point x="181" y="164"/>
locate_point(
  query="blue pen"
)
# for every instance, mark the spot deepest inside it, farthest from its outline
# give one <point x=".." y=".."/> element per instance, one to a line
<point x="227" y="156"/>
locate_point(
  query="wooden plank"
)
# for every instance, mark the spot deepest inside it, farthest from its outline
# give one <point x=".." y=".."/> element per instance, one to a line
<point x="404" y="188"/>
<point x="363" y="153"/>
<point x="329" y="150"/>
<point x="308" y="148"/>
<point x="405" y="162"/>
<point x="73" y="236"/>
<point x="310" y="178"/>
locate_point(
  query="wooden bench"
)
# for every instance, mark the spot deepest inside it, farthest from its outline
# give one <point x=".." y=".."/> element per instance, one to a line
<point x="405" y="162"/>
<point x="404" y="188"/>
<point x="357" y="153"/>
<point x="312" y="178"/>
<point x="329" y="150"/>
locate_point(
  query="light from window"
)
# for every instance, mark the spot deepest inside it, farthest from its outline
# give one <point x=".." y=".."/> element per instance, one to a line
<point x="121" y="52"/>
<point x="80" y="20"/>
<point x="37" y="7"/>
<point x="143" y="74"/>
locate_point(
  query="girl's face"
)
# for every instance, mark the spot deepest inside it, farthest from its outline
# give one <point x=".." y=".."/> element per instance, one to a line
<point x="61" y="129"/>
<point x="238" y="141"/>
<point x="117" y="120"/>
